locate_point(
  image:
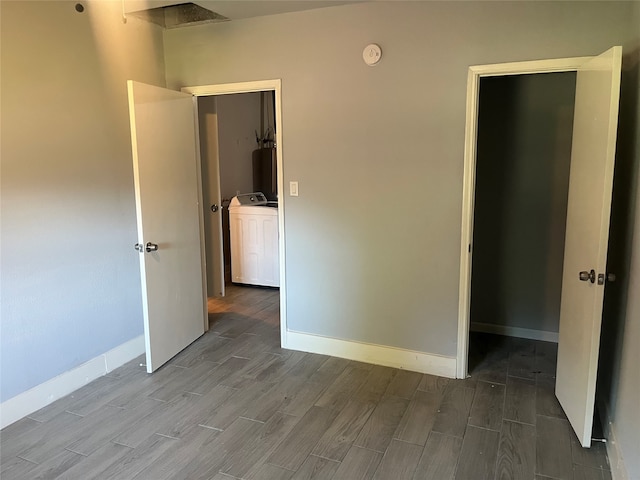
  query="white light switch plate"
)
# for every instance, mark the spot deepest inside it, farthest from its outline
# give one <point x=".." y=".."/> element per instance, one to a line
<point x="293" y="189"/>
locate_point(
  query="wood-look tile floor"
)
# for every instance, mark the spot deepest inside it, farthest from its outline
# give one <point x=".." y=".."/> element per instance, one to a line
<point x="236" y="406"/>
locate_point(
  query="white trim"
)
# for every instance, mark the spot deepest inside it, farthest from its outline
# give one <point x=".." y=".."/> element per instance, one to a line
<point x="42" y="395"/>
<point x="261" y="86"/>
<point x="370" y="353"/>
<point x="534" y="66"/>
<point x="507" y="331"/>
<point x="616" y="459"/>
<point x="468" y="189"/>
<point x="228" y="88"/>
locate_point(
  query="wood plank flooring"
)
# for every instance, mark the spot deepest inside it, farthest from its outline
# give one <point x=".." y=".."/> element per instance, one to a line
<point x="234" y="405"/>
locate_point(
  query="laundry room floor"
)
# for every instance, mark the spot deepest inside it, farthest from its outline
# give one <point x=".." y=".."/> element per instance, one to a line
<point x="234" y="405"/>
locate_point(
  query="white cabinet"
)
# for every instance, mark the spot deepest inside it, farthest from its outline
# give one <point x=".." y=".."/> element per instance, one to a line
<point x="254" y="245"/>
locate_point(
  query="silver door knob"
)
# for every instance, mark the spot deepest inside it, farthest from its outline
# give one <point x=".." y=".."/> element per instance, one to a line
<point x="588" y="276"/>
<point x="151" y="247"/>
<point x="214" y="208"/>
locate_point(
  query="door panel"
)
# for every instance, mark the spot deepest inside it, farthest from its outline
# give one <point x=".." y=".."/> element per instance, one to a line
<point x="212" y="207"/>
<point x="590" y="185"/>
<point x="163" y="138"/>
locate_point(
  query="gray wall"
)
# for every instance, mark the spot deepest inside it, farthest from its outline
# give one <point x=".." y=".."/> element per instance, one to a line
<point x="238" y="120"/>
<point x="70" y="278"/>
<point x="621" y="394"/>
<point x="618" y="388"/>
<point x="522" y="182"/>
<point x="373" y="239"/>
<point x="372" y="148"/>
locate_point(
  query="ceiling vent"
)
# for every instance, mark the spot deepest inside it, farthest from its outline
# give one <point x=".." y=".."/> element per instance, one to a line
<point x="182" y="15"/>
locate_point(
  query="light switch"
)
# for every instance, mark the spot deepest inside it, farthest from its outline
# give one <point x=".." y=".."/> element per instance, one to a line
<point x="293" y="189"/>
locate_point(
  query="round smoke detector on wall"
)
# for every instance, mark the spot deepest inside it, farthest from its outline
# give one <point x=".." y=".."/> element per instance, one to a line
<point x="372" y="54"/>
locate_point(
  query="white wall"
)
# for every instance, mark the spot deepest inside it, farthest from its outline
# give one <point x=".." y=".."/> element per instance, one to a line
<point x="373" y="239"/>
<point x="70" y="278"/>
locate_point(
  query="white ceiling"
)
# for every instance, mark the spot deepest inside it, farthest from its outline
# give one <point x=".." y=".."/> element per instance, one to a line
<point x="238" y="9"/>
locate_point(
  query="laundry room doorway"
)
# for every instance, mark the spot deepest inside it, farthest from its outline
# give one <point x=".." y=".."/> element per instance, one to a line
<point x="240" y="154"/>
<point x="170" y="214"/>
<point x="525" y="198"/>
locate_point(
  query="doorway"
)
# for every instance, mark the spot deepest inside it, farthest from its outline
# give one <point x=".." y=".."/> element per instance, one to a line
<point x="475" y="76"/>
<point x="236" y="132"/>
<point x="525" y="125"/>
<point x="235" y="120"/>
<point x="587" y="223"/>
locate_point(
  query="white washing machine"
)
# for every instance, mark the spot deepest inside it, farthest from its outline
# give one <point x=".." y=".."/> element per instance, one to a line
<point x="254" y="240"/>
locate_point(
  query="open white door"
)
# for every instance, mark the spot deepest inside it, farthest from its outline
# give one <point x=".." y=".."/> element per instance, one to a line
<point x="165" y="165"/>
<point x="587" y="233"/>
<point x="212" y="203"/>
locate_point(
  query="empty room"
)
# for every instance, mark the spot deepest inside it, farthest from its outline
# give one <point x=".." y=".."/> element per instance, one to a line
<point x="409" y="304"/>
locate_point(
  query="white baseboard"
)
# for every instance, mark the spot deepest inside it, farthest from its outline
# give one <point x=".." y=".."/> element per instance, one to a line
<point x="507" y="331"/>
<point x="370" y="353"/>
<point x="42" y="395"/>
<point x="616" y="461"/>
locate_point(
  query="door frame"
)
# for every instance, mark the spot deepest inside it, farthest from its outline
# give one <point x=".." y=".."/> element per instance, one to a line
<point x="469" y="179"/>
<point x="274" y="85"/>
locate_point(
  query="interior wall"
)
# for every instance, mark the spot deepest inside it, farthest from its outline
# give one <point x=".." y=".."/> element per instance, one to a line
<point x="70" y="276"/>
<point x="238" y="122"/>
<point x="378" y="151"/>
<point x="618" y="390"/>
<point x="525" y="126"/>
<point x="70" y="279"/>
<point x="622" y="396"/>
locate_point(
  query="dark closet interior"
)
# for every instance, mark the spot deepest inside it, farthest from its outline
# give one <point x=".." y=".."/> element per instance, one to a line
<point x="525" y="127"/>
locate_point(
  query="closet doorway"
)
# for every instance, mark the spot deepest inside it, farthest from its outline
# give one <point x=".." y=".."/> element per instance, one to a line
<point x="597" y="90"/>
<point x="525" y="124"/>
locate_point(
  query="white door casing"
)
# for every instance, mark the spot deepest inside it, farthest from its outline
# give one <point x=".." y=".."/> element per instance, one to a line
<point x="475" y="73"/>
<point x="166" y="175"/>
<point x="587" y="236"/>
<point x="587" y="222"/>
